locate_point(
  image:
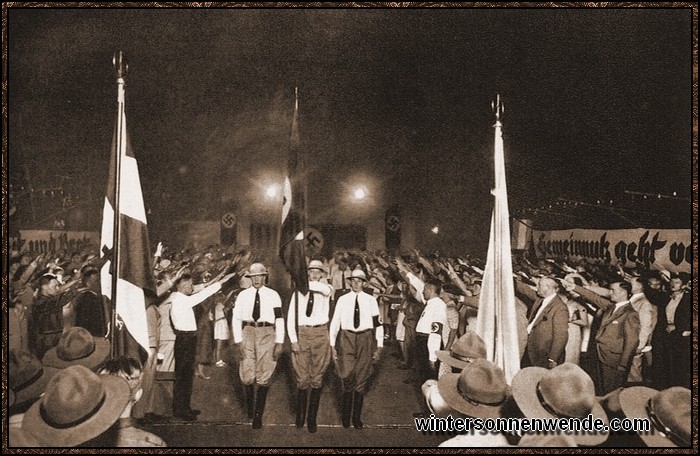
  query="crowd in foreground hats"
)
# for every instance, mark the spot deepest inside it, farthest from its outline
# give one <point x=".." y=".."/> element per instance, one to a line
<point x="425" y="304"/>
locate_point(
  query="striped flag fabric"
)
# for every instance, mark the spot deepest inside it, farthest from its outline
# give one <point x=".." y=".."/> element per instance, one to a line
<point x="135" y="273"/>
<point x="292" y="239"/>
<point x="496" y="319"/>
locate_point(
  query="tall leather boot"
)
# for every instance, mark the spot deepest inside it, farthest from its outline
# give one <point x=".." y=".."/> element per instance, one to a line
<point x="357" y="410"/>
<point x="260" y="406"/>
<point x="314" y="399"/>
<point x="347" y="408"/>
<point x="249" y="400"/>
<point x="302" y="394"/>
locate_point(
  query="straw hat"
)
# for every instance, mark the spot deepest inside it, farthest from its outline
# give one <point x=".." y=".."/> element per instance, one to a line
<point x="316" y="264"/>
<point x="358" y="274"/>
<point x="256" y="269"/>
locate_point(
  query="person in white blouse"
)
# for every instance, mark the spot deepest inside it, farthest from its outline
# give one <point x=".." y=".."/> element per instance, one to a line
<point x="258" y="334"/>
<point x="311" y="349"/>
<point x="356" y="327"/>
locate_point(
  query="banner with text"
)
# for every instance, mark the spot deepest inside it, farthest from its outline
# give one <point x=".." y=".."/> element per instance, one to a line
<point x="53" y="241"/>
<point x="654" y="248"/>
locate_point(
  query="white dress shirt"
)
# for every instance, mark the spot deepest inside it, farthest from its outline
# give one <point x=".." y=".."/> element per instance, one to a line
<point x="181" y="311"/>
<point x="545" y="303"/>
<point x="319" y="314"/>
<point x="671" y="308"/>
<point x="435" y="311"/>
<point x="243" y="311"/>
<point x="344" y="315"/>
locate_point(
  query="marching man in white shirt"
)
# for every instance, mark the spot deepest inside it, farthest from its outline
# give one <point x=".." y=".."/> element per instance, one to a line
<point x="258" y="335"/>
<point x="356" y="326"/>
<point x="185" y="325"/>
<point x="311" y="349"/>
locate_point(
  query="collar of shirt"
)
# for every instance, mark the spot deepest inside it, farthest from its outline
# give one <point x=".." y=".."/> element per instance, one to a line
<point x="637" y="297"/>
<point x="618" y="305"/>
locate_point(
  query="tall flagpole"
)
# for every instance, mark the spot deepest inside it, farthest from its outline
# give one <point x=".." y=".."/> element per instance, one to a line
<point x="303" y="227"/>
<point x="121" y="68"/>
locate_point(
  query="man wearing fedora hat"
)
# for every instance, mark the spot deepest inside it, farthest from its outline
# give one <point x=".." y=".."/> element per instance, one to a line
<point x="258" y="334"/>
<point x="311" y="349"/>
<point x="78" y="406"/>
<point x="566" y="391"/>
<point x="27" y="378"/>
<point x="668" y="411"/>
<point x="478" y="391"/>
<point x="78" y="347"/>
<point x="356" y="316"/>
<point x="184" y="323"/>
<point x="466" y="349"/>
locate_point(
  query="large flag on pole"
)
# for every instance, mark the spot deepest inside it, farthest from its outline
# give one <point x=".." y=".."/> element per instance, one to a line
<point x="292" y="239"/>
<point x="135" y="273"/>
<point x="496" y="319"/>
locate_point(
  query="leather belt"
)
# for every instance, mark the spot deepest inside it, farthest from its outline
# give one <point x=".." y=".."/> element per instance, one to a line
<point x="358" y="332"/>
<point x="257" y="324"/>
<point x="313" y="326"/>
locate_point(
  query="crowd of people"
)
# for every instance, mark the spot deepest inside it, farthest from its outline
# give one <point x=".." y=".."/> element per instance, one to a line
<point x="593" y="339"/>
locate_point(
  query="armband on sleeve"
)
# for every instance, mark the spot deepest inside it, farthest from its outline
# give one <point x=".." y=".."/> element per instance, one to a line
<point x="278" y="312"/>
<point x="436" y="328"/>
<point x="375" y="321"/>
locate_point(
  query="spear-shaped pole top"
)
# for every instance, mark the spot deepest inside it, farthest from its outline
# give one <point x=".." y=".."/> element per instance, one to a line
<point x="498" y="107"/>
<point x="296" y="98"/>
<point x="120" y="65"/>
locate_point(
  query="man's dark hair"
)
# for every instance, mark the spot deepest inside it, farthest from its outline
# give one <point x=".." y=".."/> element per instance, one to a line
<point x="184" y="277"/>
<point x="436" y="284"/>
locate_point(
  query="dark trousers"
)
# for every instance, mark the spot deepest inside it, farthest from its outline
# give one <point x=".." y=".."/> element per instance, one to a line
<point x="612" y="378"/>
<point x="185" y="349"/>
<point x="422" y="360"/>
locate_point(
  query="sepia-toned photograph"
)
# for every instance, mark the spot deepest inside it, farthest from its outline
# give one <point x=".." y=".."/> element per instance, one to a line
<point x="368" y="226"/>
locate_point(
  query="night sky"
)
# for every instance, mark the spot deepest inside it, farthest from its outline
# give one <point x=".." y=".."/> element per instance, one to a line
<point x="598" y="101"/>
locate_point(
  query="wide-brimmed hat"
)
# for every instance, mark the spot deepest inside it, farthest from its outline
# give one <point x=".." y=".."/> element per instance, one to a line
<point x="78" y="406"/>
<point x="478" y="391"/>
<point x="667" y="410"/>
<point x="565" y="391"/>
<point x="316" y="264"/>
<point x="77" y="347"/>
<point x="463" y="351"/>
<point x="256" y="269"/>
<point x="18" y="437"/>
<point x="358" y="274"/>
<point x="26" y="376"/>
<point x="547" y="440"/>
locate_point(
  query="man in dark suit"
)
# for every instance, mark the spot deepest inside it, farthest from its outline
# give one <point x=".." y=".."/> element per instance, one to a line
<point x="548" y="325"/>
<point x="617" y="338"/>
<point x="675" y="344"/>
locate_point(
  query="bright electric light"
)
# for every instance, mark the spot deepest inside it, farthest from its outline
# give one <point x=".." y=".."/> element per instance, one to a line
<point x="435" y="229"/>
<point x="360" y="194"/>
<point x="271" y="191"/>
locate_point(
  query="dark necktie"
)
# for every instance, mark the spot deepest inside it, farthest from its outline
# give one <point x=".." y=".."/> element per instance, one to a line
<point x="343" y="274"/>
<point x="356" y="317"/>
<point x="535" y="308"/>
<point x="256" y="306"/>
<point x="310" y="304"/>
